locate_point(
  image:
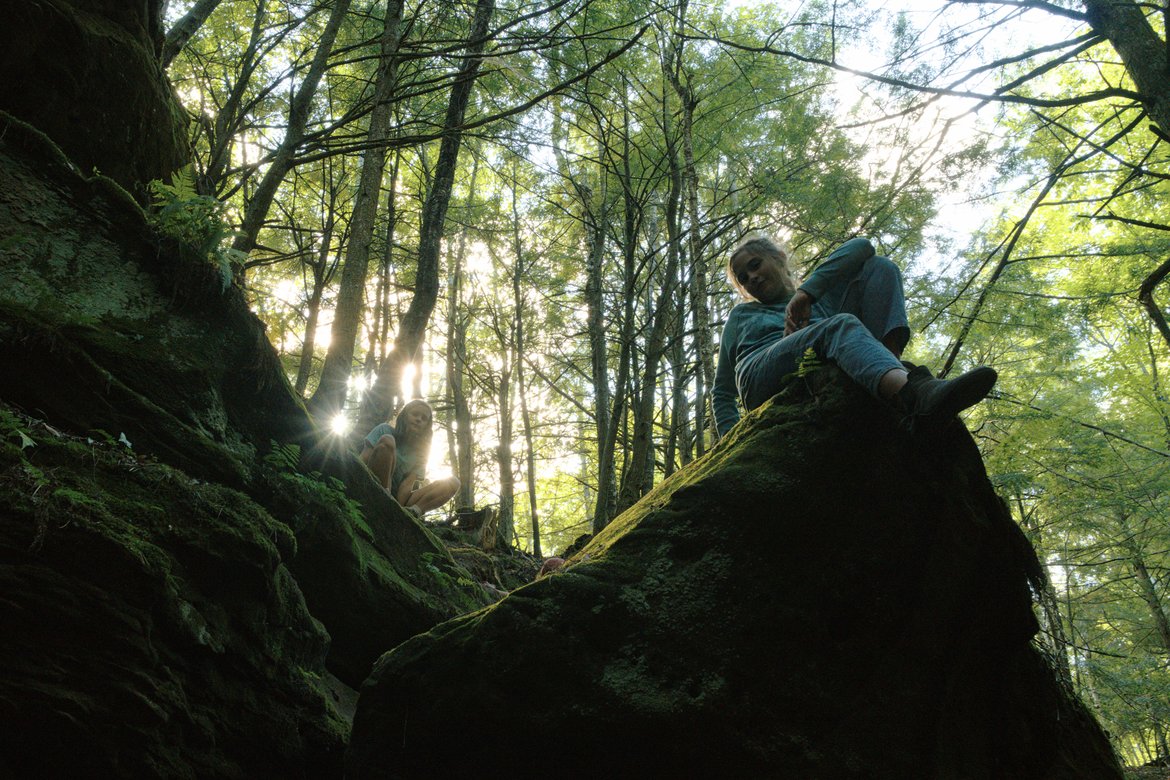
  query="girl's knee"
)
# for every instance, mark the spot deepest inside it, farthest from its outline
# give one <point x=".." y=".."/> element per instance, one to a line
<point x="883" y="270"/>
<point x="386" y="443"/>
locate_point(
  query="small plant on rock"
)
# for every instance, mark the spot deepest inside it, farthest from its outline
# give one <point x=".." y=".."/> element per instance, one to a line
<point x="195" y="221"/>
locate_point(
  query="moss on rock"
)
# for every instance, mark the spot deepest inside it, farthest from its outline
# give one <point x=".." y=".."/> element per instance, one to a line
<point x="151" y="624"/>
<point x="109" y="333"/>
<point x="816" y="597"/>
<point x="88" y="76"/>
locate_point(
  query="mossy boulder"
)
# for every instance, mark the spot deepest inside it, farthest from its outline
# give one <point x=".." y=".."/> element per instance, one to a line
<point x="109" y="331"/>
<point x="817" y="597"/>
<point x="87" y="74"/>
<point x="370" y="571"/>
<point x="151" y="626"/>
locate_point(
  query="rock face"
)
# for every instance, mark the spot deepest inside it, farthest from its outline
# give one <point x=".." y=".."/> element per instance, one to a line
<point x="87" y="75"/>
<point x="103" y="328"/>
<point x="816" y="598"/>
<point x="151" y="626"/>
<point x="173" y="610"/>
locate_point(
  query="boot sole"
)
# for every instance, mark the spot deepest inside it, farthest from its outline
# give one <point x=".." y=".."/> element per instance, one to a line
<point x="968" y="390"/>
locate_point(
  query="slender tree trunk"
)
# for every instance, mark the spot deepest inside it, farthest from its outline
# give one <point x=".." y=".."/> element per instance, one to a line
<point x="1149" y="590"/>
<point x="380" y="318"/>
<point x="412" y="328"/>
<point x="680" y="440"/>
<point x="607" y="502"/>
<point x="638" y="477"/>
<point x="388" y="259"/>
<point x="298" y="117"/>
<point x="183" y="29"/>
<point x="507" y="519"/>
<point x="227" y="120"/>
<point x="331" y="392"/>
<point x="700" y="305"/>
<point x="461" y="445"/>
<point x="520" y="347"/>
<point x="593" y="207"/>
<point x="305" y="369"/>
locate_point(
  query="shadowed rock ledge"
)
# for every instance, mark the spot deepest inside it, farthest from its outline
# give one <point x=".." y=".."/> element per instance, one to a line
<point x="173" y="596"/>
<point x="817" y="597"/>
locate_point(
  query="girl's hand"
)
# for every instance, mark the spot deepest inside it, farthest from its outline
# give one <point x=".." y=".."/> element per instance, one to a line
<point x="798" y="312"/>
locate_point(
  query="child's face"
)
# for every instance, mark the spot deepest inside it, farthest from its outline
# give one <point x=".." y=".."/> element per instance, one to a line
<point x="414" y="422"/>
<point x="760" y="276"/>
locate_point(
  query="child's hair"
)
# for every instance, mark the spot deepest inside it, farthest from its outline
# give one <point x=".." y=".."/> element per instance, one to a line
<point x="768" y="247"/>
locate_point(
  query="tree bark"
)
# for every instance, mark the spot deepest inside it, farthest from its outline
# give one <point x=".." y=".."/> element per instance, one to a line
<point x="413" y="327"/>
<point x="1124" y="24"/>
<point x="298" y="117"/>
<point x="593" y="208"/>
<point x="380" y="327"/>
<point x="331" y="392"/>
<point x="700" y="305"/>
<point x="507" y="520"/>
<point x="607" y="497"/>
<point x="183" y="29"/>
<point x="320" y="274"/>
<point x="1145" y="580"/>
<point x="461" y="439"/>
<point x="520" y="350"/>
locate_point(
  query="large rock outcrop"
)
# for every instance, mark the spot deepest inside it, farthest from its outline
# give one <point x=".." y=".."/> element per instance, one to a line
<point x="87" y="74"/>
<point x="166" y="622"/>
<point x="182" y="555"/>
<point x="818" y="597"/>
<point x="151" y="627"/>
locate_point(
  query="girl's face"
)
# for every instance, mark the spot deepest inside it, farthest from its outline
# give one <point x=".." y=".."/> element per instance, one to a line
<point x="761" y="276"/>
<point x="414" y="421"/>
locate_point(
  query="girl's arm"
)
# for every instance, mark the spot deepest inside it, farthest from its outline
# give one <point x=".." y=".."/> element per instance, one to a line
<point x="724" y="392"/>
<point x="843" y="264"/>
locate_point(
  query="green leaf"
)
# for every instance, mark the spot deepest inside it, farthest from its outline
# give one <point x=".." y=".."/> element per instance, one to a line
<point x="25" y="441"/>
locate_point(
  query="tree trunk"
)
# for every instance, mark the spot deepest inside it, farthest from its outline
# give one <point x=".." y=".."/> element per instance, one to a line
<point x="381" y="319"/>
<point x="680" y="438"/>
<point x="227" y="120"/>
<point x="1142" y="51"/>
<point x="298" y="117"/>
<point x="461" y="439"/>
<point x="1146" y="584"/>
<point x="638" y="476"/>
<point x="319" y="268"/>
<point x="700" y="306"/>
<point x="413" y="327"/>
<point x="607" y="503"/>
<point x="183" y="29"/>
<point x="507" y="520"/>
<point x="331" y="392"/>
<point x="520" y="350"/>
<point x="593" y="206"/>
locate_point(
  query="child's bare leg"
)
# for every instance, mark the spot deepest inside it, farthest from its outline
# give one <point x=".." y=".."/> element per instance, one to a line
<point x="434" y="494"/>
<point x="382" y="459"/>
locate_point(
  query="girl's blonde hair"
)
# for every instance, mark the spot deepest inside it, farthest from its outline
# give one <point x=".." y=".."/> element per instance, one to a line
<point x="768" y="247"/>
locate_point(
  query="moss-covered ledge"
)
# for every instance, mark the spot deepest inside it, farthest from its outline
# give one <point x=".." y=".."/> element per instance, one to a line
<point x="151" y="625"/>
<point x="818" y="596"/>
<point x="108" y="330"/>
